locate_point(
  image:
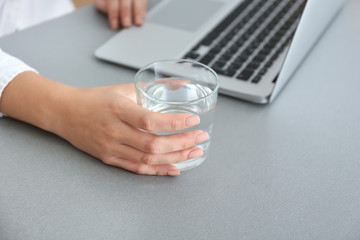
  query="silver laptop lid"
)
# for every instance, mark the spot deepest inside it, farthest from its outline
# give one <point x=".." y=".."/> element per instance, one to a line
<point x="315" y="19"/>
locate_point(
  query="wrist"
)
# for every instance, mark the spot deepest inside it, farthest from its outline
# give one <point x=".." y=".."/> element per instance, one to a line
<point x="37" y="100"/>
<point x="60" y="108"/>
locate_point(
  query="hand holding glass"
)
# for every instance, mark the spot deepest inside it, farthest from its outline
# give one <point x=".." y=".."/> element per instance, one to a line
<point x="180" y="86"/>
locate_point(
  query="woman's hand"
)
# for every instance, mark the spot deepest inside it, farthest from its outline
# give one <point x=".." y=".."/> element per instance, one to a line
<point x="123" y="12"/>
<point x="105" y="122"/>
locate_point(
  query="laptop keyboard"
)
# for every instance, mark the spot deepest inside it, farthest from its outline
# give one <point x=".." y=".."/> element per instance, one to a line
<point x="250" y="39"/>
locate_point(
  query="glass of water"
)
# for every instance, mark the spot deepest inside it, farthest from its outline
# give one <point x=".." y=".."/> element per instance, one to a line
<point x="180" y="86"/>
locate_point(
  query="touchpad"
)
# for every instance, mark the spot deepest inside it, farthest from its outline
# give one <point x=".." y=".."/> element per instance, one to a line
<point x="188" y="15"/>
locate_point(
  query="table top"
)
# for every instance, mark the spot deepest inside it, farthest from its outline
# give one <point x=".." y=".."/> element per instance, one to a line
<point x="287" y="170"/>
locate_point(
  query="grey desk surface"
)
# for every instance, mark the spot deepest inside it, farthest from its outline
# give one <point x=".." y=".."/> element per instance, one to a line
<point x="289" y="170"/>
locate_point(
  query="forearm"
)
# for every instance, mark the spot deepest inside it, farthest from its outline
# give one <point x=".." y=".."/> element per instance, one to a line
<point x="105" y="122"/>
<point x="35" y="99"/>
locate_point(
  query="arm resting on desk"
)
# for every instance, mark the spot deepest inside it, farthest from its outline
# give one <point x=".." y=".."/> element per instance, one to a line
<point x="104" y="122"/>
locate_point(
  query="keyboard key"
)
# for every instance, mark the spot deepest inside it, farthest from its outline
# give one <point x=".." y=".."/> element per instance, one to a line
<point x="237" y="64"/>
<point x="263" y="71"/>
<point x="215" y="51"/>
<point x="229" y="72"/>
<point x="219" y="71"/>
<point x="242" y="58"/>
<point x="268" y="64"/>
<point x="225" y="58"/>
<point x="245" y="75"/>
<point x="256" y="79"/>
<point x="259" y="57"/>
<point x="252" y="65"/>
<point x="192" y="55"/>
<point x="219" y="64"/>
<point x="207" y="59"/>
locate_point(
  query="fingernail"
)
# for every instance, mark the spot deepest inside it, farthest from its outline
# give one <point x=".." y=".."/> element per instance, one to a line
<point x="192" y="121"/>
<point x="126" y="22"/>
<point x="114" y="24"/>
<point x="196" y="153"/>
<point x="202" y="137"/>
<point x="173" y="173"/>
<point x="138" y="20"/>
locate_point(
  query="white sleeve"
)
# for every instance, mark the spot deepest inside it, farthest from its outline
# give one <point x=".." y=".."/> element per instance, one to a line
<point x="10" y="67"/>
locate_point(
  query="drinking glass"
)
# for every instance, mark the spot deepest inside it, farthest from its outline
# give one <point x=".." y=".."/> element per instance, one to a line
<point x="180" y="86"/>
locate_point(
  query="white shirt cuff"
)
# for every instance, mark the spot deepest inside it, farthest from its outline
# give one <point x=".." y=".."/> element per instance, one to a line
<point x="10" y="67"/>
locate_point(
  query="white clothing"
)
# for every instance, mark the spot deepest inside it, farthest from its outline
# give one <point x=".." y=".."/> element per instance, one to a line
<point x="16" y="15"/>
<point x="10" y="67"/>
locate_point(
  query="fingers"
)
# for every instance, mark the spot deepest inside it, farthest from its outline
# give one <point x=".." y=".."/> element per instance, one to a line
<point x="132" y="12"/>
<point x="142" y="118"/>
<point x="113" y="13"/>
<point x="139" y="168"/>
<point x="159" y="144"/>
<point x="160" y="122"/>
<point x="139" y="117"/>
<point x="124" y="12"/>
<point x="139" y="11"/>
<point x="149" y="163"/>
<point x="131" y="153"/>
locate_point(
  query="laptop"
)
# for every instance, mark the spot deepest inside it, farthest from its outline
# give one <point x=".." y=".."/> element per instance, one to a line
<point x="255" y="46"/>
